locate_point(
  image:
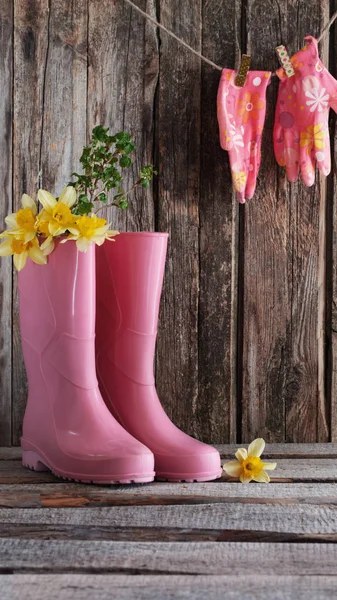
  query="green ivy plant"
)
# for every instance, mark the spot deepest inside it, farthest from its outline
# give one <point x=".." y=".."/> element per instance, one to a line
<point x="104" y="161"/>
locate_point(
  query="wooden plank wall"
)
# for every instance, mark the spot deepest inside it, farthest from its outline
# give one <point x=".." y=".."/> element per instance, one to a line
<point x="247" y="340"/>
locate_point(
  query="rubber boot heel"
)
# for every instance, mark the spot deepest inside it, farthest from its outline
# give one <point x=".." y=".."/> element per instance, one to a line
<point x="32" y="460"/>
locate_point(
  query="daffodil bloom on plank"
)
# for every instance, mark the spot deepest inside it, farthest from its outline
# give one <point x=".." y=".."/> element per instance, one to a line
<point x="249" y="466"/>
<point x="90" y="230"/>
<point x="22" y="223"/>
<point x="57" y="213"/>
<point x="21" y="250"/>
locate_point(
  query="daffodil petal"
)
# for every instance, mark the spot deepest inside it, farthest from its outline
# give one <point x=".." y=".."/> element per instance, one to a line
<point x="256" y="447"/>
<point x="245" y="478"/>
<point x="30" y="235"/>
<point x="49" y="242"/>
<point x="55" y="229"/>
<point x="20" y="260"/>
<point x="28" y="202"/>
<point x="6" y="248"/>
<point x="261" y="477"/>
<point x="10" y="220"/>
<point x="233" y="468"/>
<point x="83" y="244"/>
<point x="37" y="256"/>
<point x="68" y="196"/>
<point x="269" y="466"/>
<point x="74" y="231"/>
<point x="241" y="454"/>
<point x="47" y="200"/>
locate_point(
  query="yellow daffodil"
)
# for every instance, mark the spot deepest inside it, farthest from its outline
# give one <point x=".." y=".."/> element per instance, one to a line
<point x="42" y="228"/>
<point x="22" y="223"/>
<point x="14" y="245"/>
<point x="57" y="213"/>
<point x="90" y="229"/>
<point x="249" y="465"/>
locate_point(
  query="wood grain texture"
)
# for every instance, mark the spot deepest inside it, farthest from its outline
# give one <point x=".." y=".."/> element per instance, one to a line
<point x="166" y="587"/>
<point x="60" y="495"/>
<point x="281" y="396"/>
<point x="122" y="79"/>
<point x="287" y="450"/>
<point x="287" y="470"/>
<point x="247" y="334"/>
<point x="302" y="519"/>
<point x="54" y="556"/>
<point x="331" y="337"/>
<point x="218" y="241"/>
<point x="178" y="156"/>
<point x="6" y="118"/>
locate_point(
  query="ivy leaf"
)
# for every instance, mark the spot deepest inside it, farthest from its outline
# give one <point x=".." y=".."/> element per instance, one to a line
<point x="99" y="133"/>
<point x="125" y="162"/>
<point x="83" y="208"/>
<point x="102" y="197"/>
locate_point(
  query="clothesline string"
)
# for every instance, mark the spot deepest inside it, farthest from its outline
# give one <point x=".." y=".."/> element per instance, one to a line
<point x="201" y="56"/>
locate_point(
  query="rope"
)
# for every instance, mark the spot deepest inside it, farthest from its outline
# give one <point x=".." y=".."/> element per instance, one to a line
<point x="201" y="56"/>
<point x="173" y="35"/>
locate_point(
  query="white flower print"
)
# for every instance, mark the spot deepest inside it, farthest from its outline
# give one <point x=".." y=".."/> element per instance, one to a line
<point x="236" y="136"/>
<point x="318" y="99"/>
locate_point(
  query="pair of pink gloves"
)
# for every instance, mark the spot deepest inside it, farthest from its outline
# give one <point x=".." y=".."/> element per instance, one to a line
<point x="301" y="135"/>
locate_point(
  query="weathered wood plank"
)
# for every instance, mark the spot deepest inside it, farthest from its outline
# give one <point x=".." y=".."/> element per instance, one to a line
<point x="50" y="117"/>
<point x="53" y="556"/>
<point x="155" y="534"/>
<point x="166" y="587"/>
<point x="288" y="450"/>
<point x="218" y="239"/>
<point x="227" y="451"/>
<point x="122" y="79"/>
<point x="332" y="258"/>
<point x="178" y="156"/>
<point x="319" y="470"/>
<point x="10" y="453"/>
<point x="302" y="519"/>
<point x="6" y="117"/>
<point x="54" y="495"/>
<point x="281" y="398"/>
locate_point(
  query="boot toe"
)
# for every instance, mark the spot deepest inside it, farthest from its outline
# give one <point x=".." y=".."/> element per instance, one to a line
<point x="203" y="464"/>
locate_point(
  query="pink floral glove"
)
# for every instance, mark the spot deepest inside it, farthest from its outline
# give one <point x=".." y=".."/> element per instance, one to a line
<point x="241" y="115"/>
<point x="301" y="134"/>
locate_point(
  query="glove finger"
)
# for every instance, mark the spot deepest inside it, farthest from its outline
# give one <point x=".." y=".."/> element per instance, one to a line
<point x="239" y="175"/>
<point x="278" y="142"/>
<point x="254" y="148"/>
<point x="291" y="154"/>
<point x="224" y="102"/>
<point x="323" y="161"/>
<point x="307" y="164"/>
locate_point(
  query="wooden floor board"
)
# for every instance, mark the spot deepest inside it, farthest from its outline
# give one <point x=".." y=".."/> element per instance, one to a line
<point x="62" y="556"/>
<point x="167" y="587"/>
<point x="157" y="540"/>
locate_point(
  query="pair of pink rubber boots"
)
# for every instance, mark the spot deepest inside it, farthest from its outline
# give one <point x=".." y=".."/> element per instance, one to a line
<point x="113" y="430"/>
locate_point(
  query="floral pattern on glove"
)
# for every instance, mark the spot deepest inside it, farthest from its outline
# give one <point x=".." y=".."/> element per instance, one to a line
<point x="241" y="115"/>
<point x="301" y="136"/>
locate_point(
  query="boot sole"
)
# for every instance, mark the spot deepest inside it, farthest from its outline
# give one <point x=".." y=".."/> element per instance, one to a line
<point x="31" y="460"/>
<point x="188" y="478"/>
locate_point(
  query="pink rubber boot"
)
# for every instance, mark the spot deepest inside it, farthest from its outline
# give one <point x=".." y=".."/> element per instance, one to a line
<point x="129" y="282"/>
<point x="67" y="427"/>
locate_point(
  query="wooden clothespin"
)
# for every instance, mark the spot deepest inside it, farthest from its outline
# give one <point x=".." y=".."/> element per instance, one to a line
<point x="284" y="59"/>
<point x="243" y="70"/>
